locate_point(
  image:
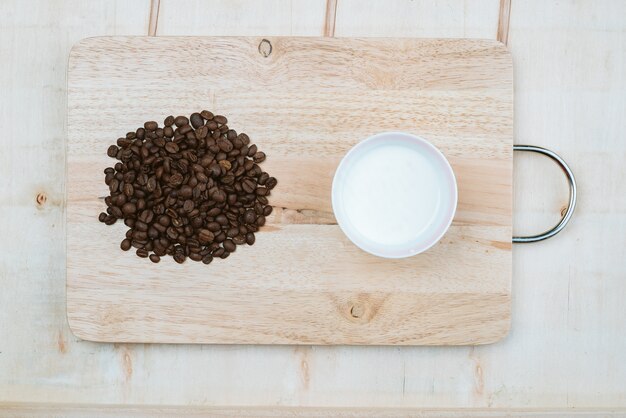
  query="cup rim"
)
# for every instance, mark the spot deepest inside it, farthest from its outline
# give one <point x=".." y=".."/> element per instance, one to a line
<point x="451" y="186"/>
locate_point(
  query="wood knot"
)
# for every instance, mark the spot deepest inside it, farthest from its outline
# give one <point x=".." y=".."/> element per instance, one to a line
<point x="41" y="198"/>
<point x="265" y="48"/>
<point x="357" y="311"/>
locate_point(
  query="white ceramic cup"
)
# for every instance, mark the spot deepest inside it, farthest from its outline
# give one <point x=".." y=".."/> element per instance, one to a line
<point x="394" y="195"/>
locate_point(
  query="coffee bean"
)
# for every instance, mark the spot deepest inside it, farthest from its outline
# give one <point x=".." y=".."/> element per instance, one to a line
<point x="102" y="216"/>
<point x="129" y="208"/>
<point x="248" y="185"/>
<point x="263" y="178"/>
<point x="112" y="151"/>
<point x="169" y="121"/>
<point x="181" y="121"/>
<point x="155" y="258"/>
<point x="125" y="245"/>
<point x="128" y="189"/>
<point x="117" y="212"/>
<point x="271" y="183"/>
<point x="249" y="217"/>
<point x="171" y="147"/>
<point x="150" y="126"/>
<point x="196" y="120"/>
<point x="207" y="259"/>
<point x="229" y="245"/>
<point x="224" y="144"/>
<point x="220" y="237"/>
<point x="142" y="252"/>
<point x="260" y="221"/>
<point x="146" y="216"/>
<point x="179" y="258"/>
<point x="259" y="157"/>
<point x="218" y="252"/>
<point x="225" y="164"/>
<point x="239" y="239"/>
<point x="267" y="210"/>
<point x="206" y="114"/>
<point x="250" y="238"/>
<point x="205" y="236"/>
<point x="220" y="119"/>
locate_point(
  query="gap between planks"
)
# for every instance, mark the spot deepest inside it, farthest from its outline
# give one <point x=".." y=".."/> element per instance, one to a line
<point x="503" y="21"/>
<point x="331" y="18"/>
<point x="154" y="17"/>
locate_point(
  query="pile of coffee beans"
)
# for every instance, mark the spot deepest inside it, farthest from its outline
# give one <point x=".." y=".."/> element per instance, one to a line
<point x="190" y="189"/>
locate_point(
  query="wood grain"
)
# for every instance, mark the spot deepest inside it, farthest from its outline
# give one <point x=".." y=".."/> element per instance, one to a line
<point x="305" y="105"/>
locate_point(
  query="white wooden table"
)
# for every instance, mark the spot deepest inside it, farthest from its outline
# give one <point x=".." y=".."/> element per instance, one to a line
<point x="567" y="346"/>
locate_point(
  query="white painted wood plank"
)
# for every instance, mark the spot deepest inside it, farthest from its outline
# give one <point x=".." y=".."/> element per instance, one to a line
<point x="419" y="18"/>
<point x="242" y="17"/>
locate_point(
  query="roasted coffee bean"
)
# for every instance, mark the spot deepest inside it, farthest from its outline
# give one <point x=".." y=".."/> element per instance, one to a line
<point x="229" y="245"/>
<point x="146" y="216"/>
<point x="259" y="157"/>
<point x="205" y="236"/>
<point x="214" y="226"/>
<point x="206" y="114"/>
<point x="171" y="147"/>
<point x="181" y="121"/>
<point x="196" y="120"/>
<point x="271" y="183"/>
<point x="116" y="211"/>
<point x="239" y="239"/>
<point x="249" y="216"/>
<point x="190" y="189"/>
<point x="129" y="208"/>
<point x="248" y="185"/>
<point x="129" y="189"/>
<point x="125" y="245"/>
<point x="224" y="144"/>
<point x="263" y="178"/>
<point x="220" y="237"/>
<point x="112" y="151"/>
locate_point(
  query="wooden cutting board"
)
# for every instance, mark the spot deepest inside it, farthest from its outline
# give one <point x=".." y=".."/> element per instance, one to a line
<point x="305" y="102"/>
